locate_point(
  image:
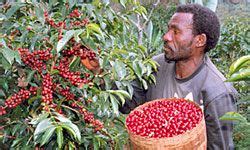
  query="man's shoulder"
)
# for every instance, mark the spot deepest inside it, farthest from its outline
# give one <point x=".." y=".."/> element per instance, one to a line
<point x="215" y="83"/>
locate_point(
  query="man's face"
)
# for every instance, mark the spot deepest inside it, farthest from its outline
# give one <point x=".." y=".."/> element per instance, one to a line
<point x="179" y="39"/>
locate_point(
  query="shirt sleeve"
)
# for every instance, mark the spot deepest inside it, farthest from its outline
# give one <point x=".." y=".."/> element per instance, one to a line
<point x="139" y="97"/>
<point x="219" y="133"/>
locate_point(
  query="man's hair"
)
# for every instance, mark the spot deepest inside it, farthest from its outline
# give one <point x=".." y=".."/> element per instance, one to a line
<point x="205" y="21"/>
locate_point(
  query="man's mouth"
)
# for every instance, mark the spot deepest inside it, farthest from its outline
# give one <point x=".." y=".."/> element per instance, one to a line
<point x="167" y="48"/>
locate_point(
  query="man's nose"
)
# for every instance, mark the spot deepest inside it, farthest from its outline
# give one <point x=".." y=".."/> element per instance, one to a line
<point x="167" y="36"/>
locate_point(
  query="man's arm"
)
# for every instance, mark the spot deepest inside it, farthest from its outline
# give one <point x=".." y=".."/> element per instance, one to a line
<point x="219" y="133"/>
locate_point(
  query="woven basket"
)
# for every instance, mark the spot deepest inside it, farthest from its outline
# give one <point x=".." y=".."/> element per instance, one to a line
<point x="194" y="139"/>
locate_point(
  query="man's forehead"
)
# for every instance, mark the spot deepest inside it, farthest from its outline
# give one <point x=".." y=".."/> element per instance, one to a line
<point x="182" y="18"/>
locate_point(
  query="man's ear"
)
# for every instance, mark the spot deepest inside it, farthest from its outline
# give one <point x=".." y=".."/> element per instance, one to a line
<point x="201" y="40"/>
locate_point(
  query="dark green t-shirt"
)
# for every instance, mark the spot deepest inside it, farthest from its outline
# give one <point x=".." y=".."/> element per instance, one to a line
<point x="208" y="88"/>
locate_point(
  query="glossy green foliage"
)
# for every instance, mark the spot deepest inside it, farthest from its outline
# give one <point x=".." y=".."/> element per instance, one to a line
<point x="110" y="34"/>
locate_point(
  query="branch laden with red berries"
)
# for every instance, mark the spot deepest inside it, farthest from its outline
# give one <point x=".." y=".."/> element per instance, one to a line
<point x="165" y="118"/>
<point x="45" y="63"/>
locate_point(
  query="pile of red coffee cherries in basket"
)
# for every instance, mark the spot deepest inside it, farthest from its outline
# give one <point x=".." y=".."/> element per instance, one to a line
<point x="164" y="118"/>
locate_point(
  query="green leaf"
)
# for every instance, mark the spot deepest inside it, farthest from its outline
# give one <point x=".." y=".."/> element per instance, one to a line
<point x="17" y="142"/>
<point x="243" y="74"/>
<point x="123" y="3"/>
<point x="90" y="43"/>
<point x="149" y="70"/>
<point x="104" y="95"/>
<point x="61" y="118"/>
<point x="153" y="63"/>
<point x="144" y="83"/>
<point x="137" y="66"/>
<point x="2" y="17"/>
<point x="108" y="83"/>
<point x="53" y="72"/>
<point x="42" y="127"/>
<point x="77" y="34"/>
<point x="72" y="130"/>
<point x="130" y="89"/>
<point x="114" y="104"/>
<point x="124" y="93"/>
<point x="24" y="36"/>
<point x="2" y="94"/>
<point x="96" y="143"/>
<point x="72" y="3"/>
<point x="10" y="55"/>
<point x="237" y="64"/>
<point x="71" y="146"/>
<point x="69" y="34"/>
<point x="233" y="116"/>
<point x="41" y="117"/>
<point x="121" y="98"/>
<point x="152" y="77"/>
<point x="120" y="69"/>
<point x="39" y="13"/>
<point x="13" y="9"/>
<point x="33" y="42"/>
<point x="94" y="27"/>
<point x="6" y="65"/>
<point x="75" y="62"/>
<point x="59" y="138"/>
<point x="30" y="76"/>
<point x="46" y="136"/>
<point x="149" y="31"/>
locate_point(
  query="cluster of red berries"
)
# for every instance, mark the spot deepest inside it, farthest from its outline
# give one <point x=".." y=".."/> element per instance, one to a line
<point x="67" y="94"/>
<point x="81" y="51"/>
<point x="2" y="111"/>
<point x="79" y="23"/>
<point x="35" y="60"/>
<point x="75" y="14"/>
<point x="62" y="24"/>
<point x="17" y="98"/>
<point x="89" y="118"/>
<point x="33" y="90"/>
<point x="98" y="125"/>
<point x="166" y="118"/>
<point x="51" y="22"/>
<point x="74" y="77"/>
<point x="47" y="93"/>
<point x="43" y="54"/>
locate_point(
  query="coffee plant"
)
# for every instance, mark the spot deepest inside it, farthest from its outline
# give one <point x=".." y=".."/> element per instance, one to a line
<point x="232" y="43"/>
<point x="65" y="70"/>
<point x="240" y="71"/>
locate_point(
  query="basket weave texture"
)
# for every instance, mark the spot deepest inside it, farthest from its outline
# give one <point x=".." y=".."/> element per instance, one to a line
<point x="194" y="139"/>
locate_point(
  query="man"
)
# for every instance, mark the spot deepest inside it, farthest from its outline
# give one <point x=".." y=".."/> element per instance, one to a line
<point x="184" y="67"/>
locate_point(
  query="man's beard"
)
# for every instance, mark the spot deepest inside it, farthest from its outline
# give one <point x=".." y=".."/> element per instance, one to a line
<point x="175" y="55"/>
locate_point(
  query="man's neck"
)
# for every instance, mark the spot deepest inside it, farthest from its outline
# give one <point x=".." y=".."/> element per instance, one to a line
<point x="186" y="68"/>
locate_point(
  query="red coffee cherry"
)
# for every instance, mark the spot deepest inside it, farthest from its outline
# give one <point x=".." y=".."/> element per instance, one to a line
<point x="2" y="111"/>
